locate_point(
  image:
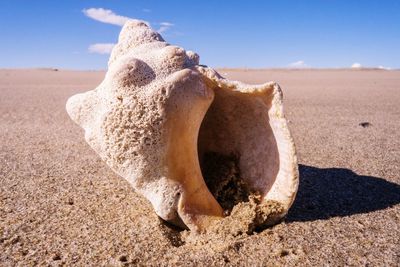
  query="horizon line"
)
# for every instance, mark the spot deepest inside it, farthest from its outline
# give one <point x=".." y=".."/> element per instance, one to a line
<point x="217" y="68"/>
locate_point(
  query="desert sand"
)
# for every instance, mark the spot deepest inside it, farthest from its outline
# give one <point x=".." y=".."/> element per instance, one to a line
<point x="61" y="205"/>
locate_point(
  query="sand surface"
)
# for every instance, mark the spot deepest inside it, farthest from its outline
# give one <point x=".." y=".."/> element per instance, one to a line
<point x="61" y="205"/>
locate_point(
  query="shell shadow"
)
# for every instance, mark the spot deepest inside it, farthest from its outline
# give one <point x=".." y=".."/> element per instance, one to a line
<point x="337" y="192"/>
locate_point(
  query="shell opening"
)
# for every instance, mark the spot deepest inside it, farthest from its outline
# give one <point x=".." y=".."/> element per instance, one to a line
<point x="237" y="149"/>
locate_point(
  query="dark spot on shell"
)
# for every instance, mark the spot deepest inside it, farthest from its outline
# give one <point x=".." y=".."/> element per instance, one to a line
<point x="284" y="253"/>
<point x="147" y="141"/>
<point x="123" y="258"/>
<point x="56" y="257"/>
<point x="15" y="240"/>
<point x="226" y="259"/>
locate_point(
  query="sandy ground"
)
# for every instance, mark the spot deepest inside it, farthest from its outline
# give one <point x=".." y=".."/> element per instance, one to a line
<point x="61" y="205"/>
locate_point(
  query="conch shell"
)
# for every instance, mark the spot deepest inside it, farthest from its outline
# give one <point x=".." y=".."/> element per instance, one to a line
<point x="157" y="112"/>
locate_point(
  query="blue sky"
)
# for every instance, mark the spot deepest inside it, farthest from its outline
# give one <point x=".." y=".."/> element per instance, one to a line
<point x="258" y="34"/>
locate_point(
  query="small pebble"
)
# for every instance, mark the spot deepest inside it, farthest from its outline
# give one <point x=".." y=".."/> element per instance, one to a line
<point x="365" y="124"/>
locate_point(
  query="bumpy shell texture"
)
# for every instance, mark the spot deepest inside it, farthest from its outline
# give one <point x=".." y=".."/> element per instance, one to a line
<point x="157" y="112"/>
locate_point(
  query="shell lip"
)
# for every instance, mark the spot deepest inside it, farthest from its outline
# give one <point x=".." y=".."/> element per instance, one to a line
<point x="284" y="187"/>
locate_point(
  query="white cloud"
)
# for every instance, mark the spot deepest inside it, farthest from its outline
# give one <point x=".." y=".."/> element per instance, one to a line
<point x="384" y="68"/>
<point x="164" y="26"/>
<point x="105" y="16"/>
<point x="356" y="66"/>
<point x="101" y="48"/>
<point x="108" y="16"/>
<point x="298" y="64"/>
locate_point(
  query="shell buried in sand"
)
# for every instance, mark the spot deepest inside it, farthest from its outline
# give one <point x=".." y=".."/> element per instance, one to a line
<point x="196" y="145"/>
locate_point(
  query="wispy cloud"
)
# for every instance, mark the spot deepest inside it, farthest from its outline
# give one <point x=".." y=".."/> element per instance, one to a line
<point x="356" y="66"/>
<point x="164" y="26"/>
<point x="298" y="64"/>
<point x="101" y="48"/>
<point x="146" y="10"/>
<point x="105" y="16"/>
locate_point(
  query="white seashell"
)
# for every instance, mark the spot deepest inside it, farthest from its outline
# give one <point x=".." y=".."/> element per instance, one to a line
<point x="158" y="112"/>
